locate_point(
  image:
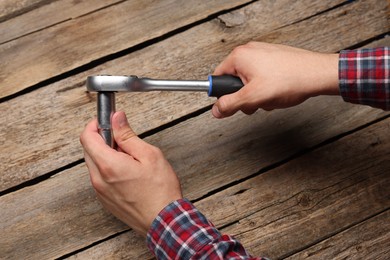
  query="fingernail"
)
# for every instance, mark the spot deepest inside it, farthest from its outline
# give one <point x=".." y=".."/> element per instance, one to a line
<point x="216" y="112"/>
<point x="122" y="119"/>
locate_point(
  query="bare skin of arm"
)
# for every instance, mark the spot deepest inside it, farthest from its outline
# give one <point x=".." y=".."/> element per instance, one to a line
<point x="275" y="76"/>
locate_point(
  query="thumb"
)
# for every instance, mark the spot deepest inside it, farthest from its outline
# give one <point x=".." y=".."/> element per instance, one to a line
<point x="227" y="105"/>
<point x="125" y="137"/>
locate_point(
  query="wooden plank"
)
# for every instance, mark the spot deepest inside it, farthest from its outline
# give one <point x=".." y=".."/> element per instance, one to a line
<point x="11" y="8"/>
<point x="65" y="205"/>
<point x="67" y="222"/>
<point x="295" y="200"/>
<point x="370" y="239"/>
<point x="291" y="206"/>
<point x="127" y="246"/>
<point x="49" y="14"/>
<point x="72" y="107"/>
<point x="271" y="138"/>
<point x="229" y="201"/>
<point x="60" y="235"/>
<point x="74" y="43"/>
<point x="71" y="213"/>
<point x="339" y="185"/>
<point x="382" y="42"/>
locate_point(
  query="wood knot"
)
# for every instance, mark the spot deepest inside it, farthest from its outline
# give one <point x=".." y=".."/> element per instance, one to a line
<point x="304" y="199"/>
<point x="233" y="19"/>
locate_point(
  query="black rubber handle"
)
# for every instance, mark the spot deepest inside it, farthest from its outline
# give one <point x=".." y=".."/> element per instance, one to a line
<point x="225" y="84"/>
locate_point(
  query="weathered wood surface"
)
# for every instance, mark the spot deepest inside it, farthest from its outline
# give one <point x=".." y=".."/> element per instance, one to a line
<point x="363" y="238"/>
<point x="71" y="44"/>
<point x="236" y="205"/>
<point x="43" y="15"/>
<point x="344" y="183"/>
<point x="271" y="191"/>
<point x="10" y="8"/>
<point x="240" y="146"/>
<point x="292" y="206"/>
<point x="71" y="107"/>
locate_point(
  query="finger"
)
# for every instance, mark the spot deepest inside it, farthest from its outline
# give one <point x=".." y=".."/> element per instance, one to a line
<point x="249" y="111"/>
<point x="94" y="144"/>
<point x="126" y="139"/>
<point x="228" y="105"/>
<point x="94" y="174"/>
<point x="92" y="168"/>
<point x="227" y="66"/>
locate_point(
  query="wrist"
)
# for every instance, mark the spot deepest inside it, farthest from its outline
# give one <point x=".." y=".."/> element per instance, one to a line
<point x="326" y="81"/>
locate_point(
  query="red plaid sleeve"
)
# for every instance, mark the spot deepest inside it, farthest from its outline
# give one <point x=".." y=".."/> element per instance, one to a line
<point x="181" y="231"/>
<point x="364" y="76"/>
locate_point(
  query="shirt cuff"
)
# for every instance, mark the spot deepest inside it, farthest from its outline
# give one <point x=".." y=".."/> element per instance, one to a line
<point x="179" y="230"/>
<point x="364" y="76"/>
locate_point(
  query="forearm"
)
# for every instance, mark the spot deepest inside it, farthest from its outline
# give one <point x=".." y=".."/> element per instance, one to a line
<point x="182" y="232"/>
<point x="324" y="80"/>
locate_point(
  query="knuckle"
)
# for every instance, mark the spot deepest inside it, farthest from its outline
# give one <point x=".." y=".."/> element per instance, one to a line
<point x="251" y="44"/>
<point x="154" y="153"/>
<point x="82" y="138"/>
<point x="239" y="50"/>
<point x="126" y="135"/>
<point x="245" y="47"/>
<point x="223" y="106"/>
<point x="243" y="51"/>
<point x="97" y="184"/>
<point x="107" y="173"/>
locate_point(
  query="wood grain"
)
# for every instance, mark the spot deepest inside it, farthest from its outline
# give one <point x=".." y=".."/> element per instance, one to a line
<point x="11" y="8"/>
<point x="303" y="201"/>
<point x="250" y="143"/>
<point x="49" y="14"/>
<point x="338" y="19"/>
<point x="178" y="57"/>
<point x="79" y="41"/>
<point x="70" y="192"/>
<point x="370" y="238"/>
<point x="61" y="214"/>
<point x="339" y="185"/>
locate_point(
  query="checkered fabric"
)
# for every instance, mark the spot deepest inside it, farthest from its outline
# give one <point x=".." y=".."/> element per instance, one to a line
<point x="182" y="232"/>
<point x="364" y="76"/>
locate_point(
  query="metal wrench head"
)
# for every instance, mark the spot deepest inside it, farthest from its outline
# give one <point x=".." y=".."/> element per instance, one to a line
<point x="106" y="86"/>
<point x="107" y="83"/>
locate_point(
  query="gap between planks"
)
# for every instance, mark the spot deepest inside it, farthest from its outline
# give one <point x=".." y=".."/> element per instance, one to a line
<point x="281" y="37"/>
<point x="76" y="163"/>
<point x="305" y="248"/>
<point x="268" y="168"/>
<point x="342" y="178"/>
<point x="382" y="41"/>
<point x="353" y="241"/>
<point x="110" y="54"/>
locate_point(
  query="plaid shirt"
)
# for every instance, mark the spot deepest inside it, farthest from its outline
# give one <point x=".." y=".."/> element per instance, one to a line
<point x="364" y="76"/>
<point x="180" y="231"/>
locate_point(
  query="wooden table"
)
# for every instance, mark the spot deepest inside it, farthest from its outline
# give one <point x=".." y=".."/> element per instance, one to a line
<point x="307" y="182"/>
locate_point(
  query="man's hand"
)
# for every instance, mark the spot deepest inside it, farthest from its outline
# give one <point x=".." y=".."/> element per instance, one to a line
<point x="275" y="76"/>
<point x="134" y="182"/>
